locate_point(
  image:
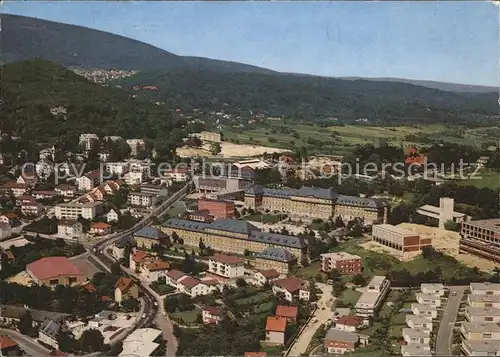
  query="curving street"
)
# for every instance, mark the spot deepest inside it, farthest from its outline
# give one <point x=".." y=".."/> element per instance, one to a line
<point x="29" y="345"/>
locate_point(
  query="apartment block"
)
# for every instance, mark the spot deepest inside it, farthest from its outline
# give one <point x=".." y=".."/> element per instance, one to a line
<point x="481" y="347"/>
<point x="226" y="266"/>
<point x="480" y="331"/>
<point x="371" y="299"/>
<point x="343" y="262"/>
<point x="416" y="336"/>
<point x="142" y="199"/>
<point x="217" y="208"/>
<point x="487" y="289"/>
<point x="430" y="299"/>
<point x="481" y="238"/>
<point x="482" y="314"/>
<point x="74" y="210"/>
<point x="432" y="288"/>
<point x="399" y="238"/>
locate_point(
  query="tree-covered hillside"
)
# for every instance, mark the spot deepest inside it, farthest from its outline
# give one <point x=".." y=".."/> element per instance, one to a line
<point x="42" y="101"/>
<point x="310" y="97"/>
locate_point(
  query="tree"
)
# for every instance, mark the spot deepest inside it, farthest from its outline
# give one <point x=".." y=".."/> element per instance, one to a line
<point x="215" y="148"/>
<point x="201" y="245"/>
<point x="451" y="225"/>
<point x="313" y="291"/>
<point x="25" y="324"/>
<point x="338" y="288"/>
<point x="339" y="222"/>
<point x="115" y="268"/>
<point x="131" y="304"/>
<point x="496" y="274"/>
<point x="91" y="341"/>
<point x="241" y="283"/>
<point x="358" y="279"/>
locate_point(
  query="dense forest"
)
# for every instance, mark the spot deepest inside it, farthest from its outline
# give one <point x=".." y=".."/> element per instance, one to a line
<point x="313" y="98"/>
<point x="42" y="101"/>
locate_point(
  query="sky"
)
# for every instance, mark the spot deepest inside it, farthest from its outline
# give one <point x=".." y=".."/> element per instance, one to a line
<point x="438" y="40"/>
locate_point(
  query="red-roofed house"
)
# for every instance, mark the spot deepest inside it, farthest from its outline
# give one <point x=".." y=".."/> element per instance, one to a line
<point x="292" y="288"/>
<point x="275" y="330"/>
<point x="125" y="288"/>
<point x="89" y="287"/>
<point x="348" y="323"/>
<point x="194" y="287"/>
<point x="288" y="312"/>
<point x="226" y="266"/>
<point x="266" y="276"/>
<point x="52" y="271"/>
<point x="8" y="347"/>
<point x="154" y="270"/>
<point x="212" y="315"/>
<point x="9" y="218"/>
<point x="100" y="228"/>
<point x="255" y="354"/>
<point x="174" y="276"/>
<point x="137" y="258"/>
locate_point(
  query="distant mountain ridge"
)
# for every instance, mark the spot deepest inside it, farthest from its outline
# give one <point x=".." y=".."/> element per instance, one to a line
<point x="24" y="38"/>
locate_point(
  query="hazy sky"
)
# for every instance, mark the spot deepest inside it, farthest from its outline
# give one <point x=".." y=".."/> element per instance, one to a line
<point x="443" y="41"/>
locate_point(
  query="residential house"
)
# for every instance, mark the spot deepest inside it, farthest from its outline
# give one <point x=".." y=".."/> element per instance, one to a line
<point x="484" y="300"/>
<point x="434" y="288"/>
<point x="44" y="194"/>
<point x="340" y="342"/>
<point x="142" y="199"/>
<point x="416" y="336"/>
<point x="431" y="299"/>
<point x="119" y="246"/>
<point x="88" y="141"/>
<point x="482" y="314"/>
<point x="226" y="266"/>
<point x="17" y="189"/>
<point x="212" y="315"/>
<point x="27" y="178"/>
<point x="480" y="330"/>
<point x="88" y="181"/>
<point x="100" y="228"/>
<point x="175" y="175"/>
<point x="481" y="347"/>
<point x="53" y="271"/>
<point x="424" y="310"/>
<point x="117" y="168"/>
<point x="255" y="354"/>
<point x="5" y="230"/>
<point x="415" y="350"/>
<point x="125" y="288"/>
<point x="5" y="159"/>
<point x="275" y="331"/>
<point x="49" y="332"/>
<point x="416" y="321"/>
<point x="154" y="270"/>
<point x="112" y="216"/>
<point x="290" y="313"/>
<point x="292" y="288"/>
<point x="66" y="191"/>
<point x="156" y="190"/>
<point x="69" y="228"/>
<point x="148" y="236"/>
<point x="348" y="323"/>
<point x="194" y="287"/>
<point x="8" y="347"/>
<point x="9" y="218"/>
<point x="263" y="277"/>
<point x="173" y="277"/>
<point x="142" y="342"/>
<point x="137" y="259"/>
<point x="32" y="209"/>
<point x="485" y="288"/>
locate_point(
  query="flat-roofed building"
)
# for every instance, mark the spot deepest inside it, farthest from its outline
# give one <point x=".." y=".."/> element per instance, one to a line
<point x="444" y="212"/>
<point x="481" y="347"/>
<point x="416" y="336"/>
<point x="340" y="342"/>
<point x="217" y="208"/>
<point x="416" y="350"/>
<point x="73" y="210"/>
<point x="424" y="310"/>
<point x="485" y="289"/>
<point x="142" y="342"/>
<point x="431" y="299"/>
<point x="416" y="321"/>
<point x="343" y="262"/>
<point x="481" y="238"/>
<point x="483" y="300"/>
<point x="371" y="299"/>
<point x="432" y="288"/>
<point x="209" y="184"/>
<point x="226" y="266"/>
<point x="480" y="330"/>
<point x="398" y="238"/>
<point x="482" y="314"/>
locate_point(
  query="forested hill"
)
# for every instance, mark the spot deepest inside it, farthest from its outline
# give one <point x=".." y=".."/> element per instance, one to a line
<point x="310" y="97"/>
<point x="24" y="38"/>
<point x="31" y="89"/>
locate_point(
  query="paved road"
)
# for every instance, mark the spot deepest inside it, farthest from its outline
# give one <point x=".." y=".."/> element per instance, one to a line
<point x="445" y="331"/>
<point x="26" y="343"/>
<point x="321" y="315"/>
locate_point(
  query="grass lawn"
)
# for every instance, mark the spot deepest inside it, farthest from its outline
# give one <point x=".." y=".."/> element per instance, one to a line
<point x="350" y="296"/>
<point x="178" y="207"/>
<point x="254" y="299"/>
<point x="483" y="179"/>
<point x="188" y="317"/>
<point x="264" y="307"/>
<point x="162" y="289"/>
<point x="264" y="218"/>
<point x="310" y="271"/>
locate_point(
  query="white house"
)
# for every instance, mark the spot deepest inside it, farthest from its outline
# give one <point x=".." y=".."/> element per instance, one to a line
<point x="88" y="140"/>
<point x="32" y="209"/>
<point x="261" y="277"/>
<point x="117" y="168"/>
<point x="348" y="323"/>
<point x="292" y="288"/>
<point x="174" y="276"/>
<point x="49" y="332"/>
<point x="212" y="315"/>
<point x="68" y="228"/>
<point x="154" y="270"/>
<point x="482" y="314"/>
<point x="226" y="266"/>
<point x="485" y="288"/>
<point x="414" y="350"/>
<point x="480" y="331"/>
<point x="112" y="216"/>
<point x="435" y="289"/>
<point x="424" y="310"/>
<point x="88" y="181"/>
<point x="194" y="287"/>
<point x="100" y="228"/>
<point x="415" y="321"/>
<point x="416" y="336"/>
<point x="5" y="230"/>
<point x="142" y="199"/>
<point x="65" y="190"/>
<point x="431" y="299"/>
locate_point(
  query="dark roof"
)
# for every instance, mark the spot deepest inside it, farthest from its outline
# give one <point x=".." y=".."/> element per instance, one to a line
<point x="323" y="193"/>
<point x="150" y="232"/>
<point x="338" y="335"/>
<point x="185" y="224"/>
<point x="50" y="328"/>
<point x="124" y="240"/>
<point x="278" y="254"/>
<point x="15" y="312"/>
<point x="362" y="202"/>
<point x="278" y="239"/>
<point x="233" y="225"/>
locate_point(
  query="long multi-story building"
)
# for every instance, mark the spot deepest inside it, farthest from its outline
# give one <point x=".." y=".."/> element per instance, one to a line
<point x="217" y="208"/>
<point x="73" y="210"/>
<point x="234" y="236"/>
<point x="317" y="203"/>
<point x="371" y="299"/>
<point x="344" y="262"/>
<point x="481" y="238"/>
<point x="222" y="183"/>
<point x="399" y="238"/>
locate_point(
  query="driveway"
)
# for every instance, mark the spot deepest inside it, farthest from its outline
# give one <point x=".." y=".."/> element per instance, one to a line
<point x="445" y="331"/>
<point x="322" y="314"/>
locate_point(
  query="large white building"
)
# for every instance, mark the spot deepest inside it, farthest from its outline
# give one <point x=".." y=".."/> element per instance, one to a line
<point x="444" y="212"/>
<point x="142" y="342"/>
<point x="73" y="210"/>
<point x="485" y="288"/>
<point x="117" y="168"/>
<point x="88" y="140"/>
<point x="371" y="299"/>
<point x="142" y="199"/>
<point x="226" y="266"/>
<point x="69" y="228"/>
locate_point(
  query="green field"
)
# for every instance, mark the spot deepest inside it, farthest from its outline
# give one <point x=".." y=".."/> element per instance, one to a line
<point x="188" y="317"/>
<point x="350" y="296"/>
<point x="340" y="140"/>
<point x="254" y="299"/>
<point x="483" y="179"/>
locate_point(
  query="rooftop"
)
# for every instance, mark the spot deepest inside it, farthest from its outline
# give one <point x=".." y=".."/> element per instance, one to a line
<point x="423" y="307"/>
<point x="291" y="284"/>
<point x="483" y="346"/>
<point x="338" y="335"/>
<point x="270" y="273"/>
<point x="226" y="259"/>
<point x="414" y="349"/>
<point x="277" y="324"/>
<point x="124" y="284"/>
<point x="340" y="256"/>
<point x="484" y="298"/>
<point x="418" y="319"/>
<point x="287" y="311"/>
<point x="278" y="254"/>
<point x="278" y="239"/>
<point x="437" y="210"/>
<point x="474" y="327"/>
<point x="6" y="342"/>
<point x="158" y="265"/>
<point x="150" y="233"/>
<point x="484" y="286"/>
<point x="416" y="332"/>
<point x="432" y="286"/>
<point x="349" y="320"/>
<point x="491" y="224"/>
<point x="52" y="267"/>
<point x="377" y="280"/>
<point x="483" y="311"/>
<point x="176" y="274"/>
<point x="396" y="229"/>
